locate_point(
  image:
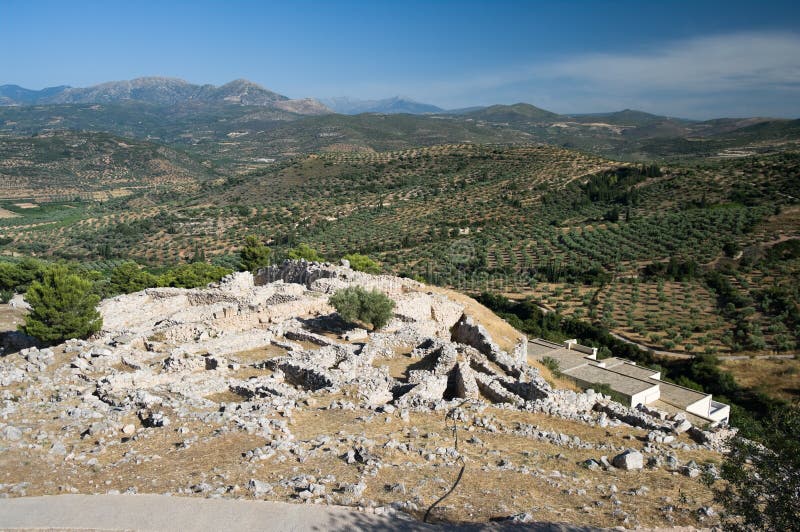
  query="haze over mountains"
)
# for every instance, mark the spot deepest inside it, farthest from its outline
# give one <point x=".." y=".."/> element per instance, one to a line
<point x="264" y="123"/>
<point x="396" y="104"/>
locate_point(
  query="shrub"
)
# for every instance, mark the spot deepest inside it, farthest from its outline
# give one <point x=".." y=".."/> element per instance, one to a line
<point x="5" y="296"/>
<point x="62" y="307"/>
<point x="304" y="251"/>
<point x="254" y="254"/>
<point x="357" y="304"/>
<point x="605" y="389"/>
<point x="362" y="263"/>
<point x="763" y="481"/>
<point x="192" y="275"/>
<point x="552" y="364"/>
<point x="129" y="277"/>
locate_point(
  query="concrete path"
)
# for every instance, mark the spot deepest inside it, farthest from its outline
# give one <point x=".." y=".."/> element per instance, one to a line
<point x="164" y="513"/>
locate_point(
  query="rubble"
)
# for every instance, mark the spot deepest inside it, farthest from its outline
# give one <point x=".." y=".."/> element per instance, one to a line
<point x="244" y="356"/>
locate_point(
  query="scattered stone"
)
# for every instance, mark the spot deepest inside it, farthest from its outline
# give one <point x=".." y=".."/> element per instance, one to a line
<point x="11" y="433"/>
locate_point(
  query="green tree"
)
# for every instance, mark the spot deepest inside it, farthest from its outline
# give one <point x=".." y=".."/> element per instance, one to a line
<point x="763" y="481"/>
<point x="304" y="251"/>
<point x="17" y="277"/>
<point x="362" y="263"/>
<point x="62" y="306"/>
<point x="254" y="254"/>
<point x="129" y="277"/>
<point x="199" y="254"/>
<point x="192" y="275"/>
<point x="356" y="304"/>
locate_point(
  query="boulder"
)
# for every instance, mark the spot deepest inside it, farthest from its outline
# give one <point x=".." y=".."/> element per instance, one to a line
<point x="629" y="460"/>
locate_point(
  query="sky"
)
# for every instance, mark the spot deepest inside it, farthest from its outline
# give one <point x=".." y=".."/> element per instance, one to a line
<point x="693" y="59"/>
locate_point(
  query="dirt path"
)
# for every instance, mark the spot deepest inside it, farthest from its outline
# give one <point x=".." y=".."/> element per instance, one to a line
<point x="669" y="354"/>
<point x="685" y="356"/>
<point x="166" y="513"/>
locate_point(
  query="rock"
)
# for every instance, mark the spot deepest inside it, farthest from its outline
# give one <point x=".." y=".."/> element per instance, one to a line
<point x="525" y="517"/>
<point x="629" y="460"/>
<point x="58" y="448"/>
<point x="153" y="419"/>
<point x="591" y="465"/>
<point x="259" y="488"/>
<point x="672" y="461"/>
<point x="356" y="490"/>
<point x="691" y="472"/>
<point x="11" y="433"/>
<point x="129" y="429"/>
<point x="682" y="426"/>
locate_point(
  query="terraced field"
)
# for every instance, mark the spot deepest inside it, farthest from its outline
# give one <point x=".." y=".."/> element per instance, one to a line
<point x="69" y="166"/>
<point x="575" y="231"/>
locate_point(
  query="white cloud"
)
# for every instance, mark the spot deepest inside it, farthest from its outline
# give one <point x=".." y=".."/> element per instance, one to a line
<point x="743" y="61"/>
<point x="739" y="74"/>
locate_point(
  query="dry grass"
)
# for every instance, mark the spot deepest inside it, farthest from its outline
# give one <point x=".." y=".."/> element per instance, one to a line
<point x="10" y="318"/>
<point x="399" y="364"/>
<point x="190" y="452"/>
<point x="776" y="378"/>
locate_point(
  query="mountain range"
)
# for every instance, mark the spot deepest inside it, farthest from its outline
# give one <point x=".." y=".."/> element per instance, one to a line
<point x="395" y="105"/>
<point x="162" y="91"/>
<point x="257" y="120"/>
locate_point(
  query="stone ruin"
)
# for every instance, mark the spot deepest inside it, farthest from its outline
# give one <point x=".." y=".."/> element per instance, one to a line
<point x="286" y="307"/>
<point x="273" y="342"/>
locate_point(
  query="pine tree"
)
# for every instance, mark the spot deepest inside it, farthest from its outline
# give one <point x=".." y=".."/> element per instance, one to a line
<point x="254" y="254"/>
<point x="62" y="307"/>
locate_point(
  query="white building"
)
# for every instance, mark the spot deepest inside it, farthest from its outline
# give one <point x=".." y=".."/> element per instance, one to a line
<point x="636" y="385"/>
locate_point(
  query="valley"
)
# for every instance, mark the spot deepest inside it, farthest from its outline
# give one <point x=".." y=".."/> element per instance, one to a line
<point x="672" y="243"/>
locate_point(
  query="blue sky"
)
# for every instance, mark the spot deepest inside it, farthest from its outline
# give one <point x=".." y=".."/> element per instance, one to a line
<point x="693" y="59"/>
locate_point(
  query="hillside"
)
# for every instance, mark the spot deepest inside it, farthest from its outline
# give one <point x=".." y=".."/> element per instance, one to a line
<point x="265" y="385"/>
<point x="16" y="95"/>
<point x="579" y="233"/>
<point x="235" y="131"/>
<point x="69" y="165"/>
<point x="237" y="136"/>
<point x="157" y="91"/>
<point x="394" y="105"/>
<point x="517" y="114"/>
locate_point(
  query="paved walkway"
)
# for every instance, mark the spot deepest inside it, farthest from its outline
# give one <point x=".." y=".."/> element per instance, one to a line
<point x="164" y="513"/>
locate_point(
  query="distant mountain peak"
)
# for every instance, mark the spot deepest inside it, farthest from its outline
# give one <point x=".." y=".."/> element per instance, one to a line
<point x="391" y="105"/>
<point x="161" y="90"/>
<point x="514" y="113"/>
